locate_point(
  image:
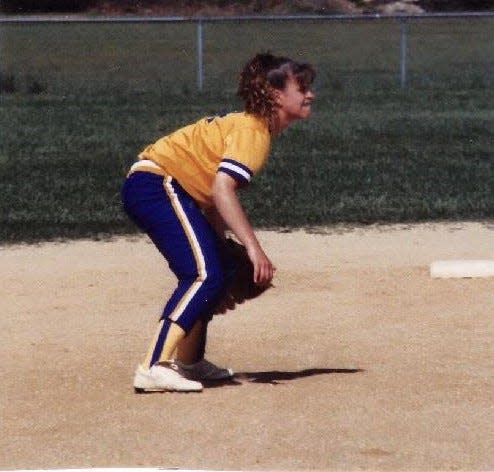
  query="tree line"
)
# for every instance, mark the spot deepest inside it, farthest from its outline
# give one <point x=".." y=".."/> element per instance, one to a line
<point x="39" y="6"/>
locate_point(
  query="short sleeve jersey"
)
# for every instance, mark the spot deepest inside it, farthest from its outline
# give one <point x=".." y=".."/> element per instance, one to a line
<point x="237" y="144"/>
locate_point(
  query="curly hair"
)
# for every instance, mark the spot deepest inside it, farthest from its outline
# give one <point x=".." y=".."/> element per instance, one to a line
<point x="263" y="74"/>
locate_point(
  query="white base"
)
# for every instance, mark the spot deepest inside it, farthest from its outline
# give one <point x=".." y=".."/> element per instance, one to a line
<point x="462" y="268"/>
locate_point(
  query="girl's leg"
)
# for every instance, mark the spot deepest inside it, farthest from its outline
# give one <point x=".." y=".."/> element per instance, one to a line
<point x="174" y="335"/>
<point x="192" y="348"/>
<point x="193" y="251"/>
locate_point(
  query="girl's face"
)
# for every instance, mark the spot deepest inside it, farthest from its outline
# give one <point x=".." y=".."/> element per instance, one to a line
<point x="294" y="101"/>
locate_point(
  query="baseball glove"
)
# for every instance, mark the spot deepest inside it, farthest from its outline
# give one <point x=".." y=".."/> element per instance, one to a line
<point x="242" y="287"/>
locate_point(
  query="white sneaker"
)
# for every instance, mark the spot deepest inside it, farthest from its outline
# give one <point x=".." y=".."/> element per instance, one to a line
<point x="204" y="370"/>
<point x="160" y="378"/>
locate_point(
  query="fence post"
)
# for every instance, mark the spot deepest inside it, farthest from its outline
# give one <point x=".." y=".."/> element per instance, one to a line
<point x="199" y="62"/>
<point x="403" y="52"/>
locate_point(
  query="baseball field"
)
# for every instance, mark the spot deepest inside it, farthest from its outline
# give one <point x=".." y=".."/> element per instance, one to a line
<point x="357" y="359"/>
<point x="73" y="122"/>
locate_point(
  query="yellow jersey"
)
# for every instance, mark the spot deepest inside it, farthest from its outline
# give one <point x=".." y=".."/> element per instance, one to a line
<point x="235" y="143"/>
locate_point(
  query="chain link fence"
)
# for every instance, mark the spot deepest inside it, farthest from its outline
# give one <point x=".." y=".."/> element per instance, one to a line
<point x="62" y="54"/>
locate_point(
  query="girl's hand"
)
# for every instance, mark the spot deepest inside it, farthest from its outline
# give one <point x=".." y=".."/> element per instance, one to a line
<point x="228" y="206"/>
<point x="263" y="267"/>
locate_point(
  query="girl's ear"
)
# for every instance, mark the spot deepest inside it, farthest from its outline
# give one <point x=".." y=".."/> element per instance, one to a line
<point x="277" y="95"/>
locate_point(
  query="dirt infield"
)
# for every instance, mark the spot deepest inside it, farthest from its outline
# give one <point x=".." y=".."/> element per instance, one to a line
<point x="357" y="359"/>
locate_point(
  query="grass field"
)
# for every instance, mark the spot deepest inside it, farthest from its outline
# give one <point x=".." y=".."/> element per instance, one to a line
<point x="82" y="100"/>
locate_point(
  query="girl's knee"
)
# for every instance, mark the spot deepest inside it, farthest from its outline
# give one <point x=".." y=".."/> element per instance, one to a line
<point x="215" y="283"/>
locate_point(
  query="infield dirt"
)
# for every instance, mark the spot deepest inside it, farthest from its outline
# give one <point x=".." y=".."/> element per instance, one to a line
<point x="357" y="359"/>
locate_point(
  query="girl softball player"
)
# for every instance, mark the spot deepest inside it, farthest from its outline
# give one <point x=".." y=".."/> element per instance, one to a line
<point x="182" y="192"/>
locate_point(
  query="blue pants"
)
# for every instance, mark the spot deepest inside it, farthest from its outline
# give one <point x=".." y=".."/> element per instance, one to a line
<point x="194" y="251"/>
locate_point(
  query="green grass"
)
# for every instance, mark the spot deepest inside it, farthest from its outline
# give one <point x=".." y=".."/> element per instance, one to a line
<point x="370" y="153"/>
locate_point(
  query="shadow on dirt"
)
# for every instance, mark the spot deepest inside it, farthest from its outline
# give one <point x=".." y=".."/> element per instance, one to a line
<point x="276" y="377"/>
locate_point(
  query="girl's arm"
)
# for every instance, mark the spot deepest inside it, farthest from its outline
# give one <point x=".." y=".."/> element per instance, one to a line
<point x="224" y="195"/>
<point x="216" y="221"/>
